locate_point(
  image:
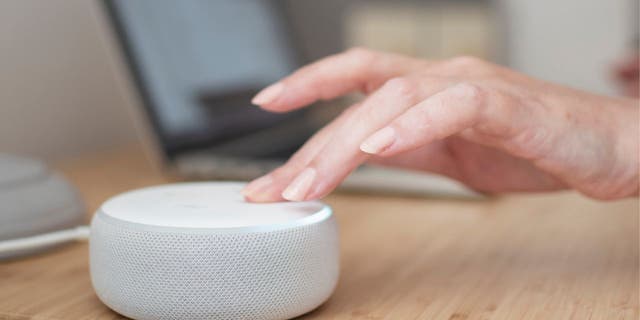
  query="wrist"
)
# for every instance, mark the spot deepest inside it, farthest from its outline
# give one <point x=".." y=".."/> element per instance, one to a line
<point x="627" y="139"/>
<point x="600" y="148"/>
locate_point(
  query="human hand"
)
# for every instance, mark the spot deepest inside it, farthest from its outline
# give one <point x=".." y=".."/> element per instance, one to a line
<point x="489" y="127"/>
<point x="627" y="75"/>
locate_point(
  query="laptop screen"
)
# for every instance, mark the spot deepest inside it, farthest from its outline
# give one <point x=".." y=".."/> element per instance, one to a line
<point x="197" y="64"/>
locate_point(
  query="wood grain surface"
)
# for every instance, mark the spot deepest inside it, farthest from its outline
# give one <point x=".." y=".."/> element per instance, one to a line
<point x="556" y="256"/>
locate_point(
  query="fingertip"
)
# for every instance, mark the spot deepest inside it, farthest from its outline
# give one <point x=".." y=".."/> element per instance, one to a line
<point x="269" y="94"/>
<point x="262" y="198"/>
<point x="275" y="107"/>
<point x="260" y="190"/>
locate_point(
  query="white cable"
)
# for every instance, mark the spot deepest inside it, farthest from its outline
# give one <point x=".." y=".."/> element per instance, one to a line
<point x="44" y="240"/>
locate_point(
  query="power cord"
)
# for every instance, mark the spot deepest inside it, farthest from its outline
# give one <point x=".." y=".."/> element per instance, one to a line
<point x="44" y="240"/>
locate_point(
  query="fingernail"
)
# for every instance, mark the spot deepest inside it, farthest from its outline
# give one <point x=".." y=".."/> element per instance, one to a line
<point x="257" y="185"/>
<point x="268" y="94"/>
<point x="379" y="141"/>
<point x="300" y="186"/>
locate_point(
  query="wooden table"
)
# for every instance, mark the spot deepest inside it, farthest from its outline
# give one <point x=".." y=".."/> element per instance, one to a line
<point x="557" y="256"/>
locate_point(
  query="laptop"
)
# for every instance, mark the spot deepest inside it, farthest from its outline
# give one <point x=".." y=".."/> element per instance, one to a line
<point x="193" y="67"/>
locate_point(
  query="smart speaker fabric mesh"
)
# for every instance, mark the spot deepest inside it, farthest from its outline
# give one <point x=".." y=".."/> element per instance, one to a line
<point x="170" y="273"/>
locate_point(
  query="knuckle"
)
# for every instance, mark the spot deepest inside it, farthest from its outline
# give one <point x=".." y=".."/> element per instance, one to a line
<point x="360" y="59"/>
<point x="470" y="92"/>
<point x="471" y="97"/>
<point x="401" y="86"/>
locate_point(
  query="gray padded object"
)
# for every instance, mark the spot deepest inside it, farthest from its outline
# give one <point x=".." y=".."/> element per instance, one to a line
<point x="158" y="272"/>
<point x="34" y="200"/>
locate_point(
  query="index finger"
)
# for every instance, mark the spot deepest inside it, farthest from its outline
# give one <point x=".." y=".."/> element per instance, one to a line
<point x="353" y="70"/>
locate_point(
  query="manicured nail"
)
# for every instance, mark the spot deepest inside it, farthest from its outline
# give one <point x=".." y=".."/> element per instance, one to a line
<point x="256" y="186"/>
<point x="379" y="141"/>
<point x="268" y="94"/>
<point x="300" y="186"/>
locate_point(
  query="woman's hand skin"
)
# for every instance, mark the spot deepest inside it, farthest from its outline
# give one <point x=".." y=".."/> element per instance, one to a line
<point x="627" y="74"/>
<point x="487" y="126"/>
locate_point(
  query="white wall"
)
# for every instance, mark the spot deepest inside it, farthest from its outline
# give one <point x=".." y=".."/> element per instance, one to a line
<point x="57" y="92"/>
<point x="572" y="42"/>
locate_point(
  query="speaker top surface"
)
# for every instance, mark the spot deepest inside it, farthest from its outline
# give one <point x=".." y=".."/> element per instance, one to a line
<point x="211" y="205"/>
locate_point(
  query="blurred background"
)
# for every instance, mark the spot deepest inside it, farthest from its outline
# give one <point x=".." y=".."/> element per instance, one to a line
<point x="64" y="88"/>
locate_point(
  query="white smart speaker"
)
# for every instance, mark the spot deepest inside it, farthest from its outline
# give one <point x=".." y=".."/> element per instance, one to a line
<point x="199" y="251"/>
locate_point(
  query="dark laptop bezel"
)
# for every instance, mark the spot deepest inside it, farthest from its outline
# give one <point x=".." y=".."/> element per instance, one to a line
<point x="170" y="149"/>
